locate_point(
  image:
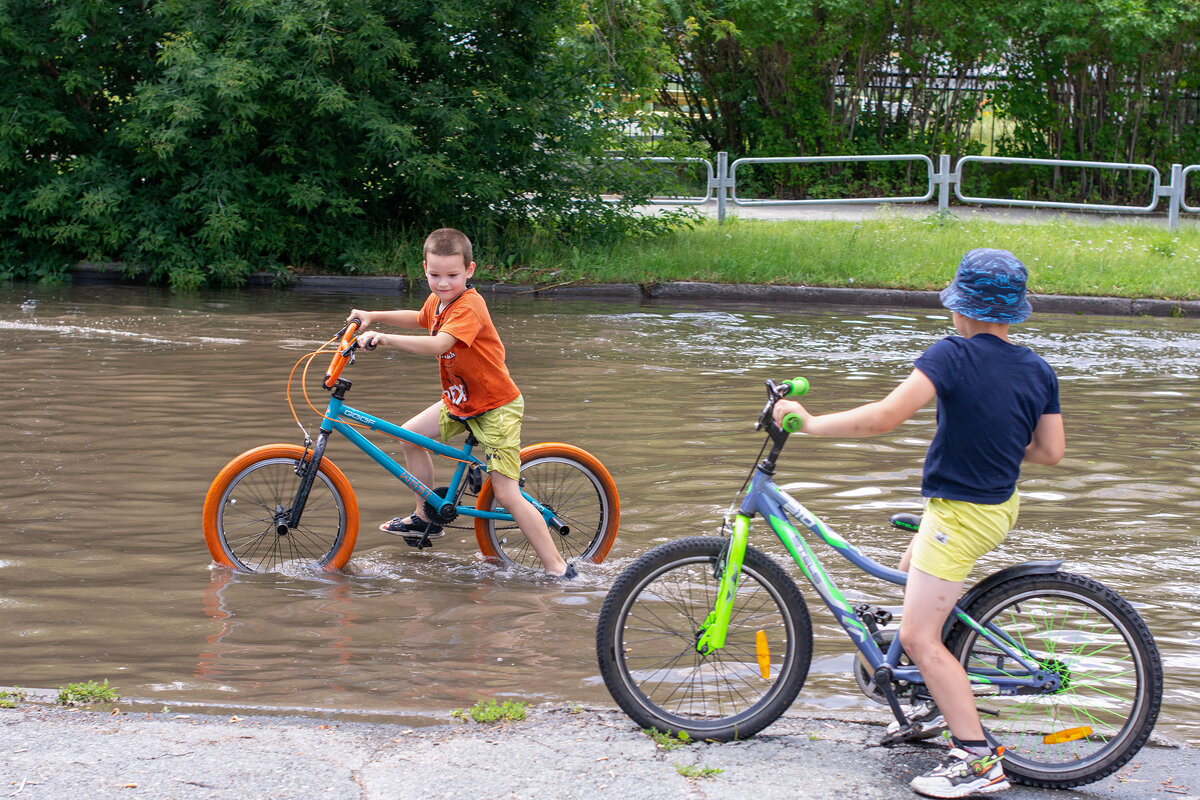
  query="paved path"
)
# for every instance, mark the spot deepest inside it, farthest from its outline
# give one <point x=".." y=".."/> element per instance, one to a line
<point x="859" y="211"/>
<point x="57" y="754"/>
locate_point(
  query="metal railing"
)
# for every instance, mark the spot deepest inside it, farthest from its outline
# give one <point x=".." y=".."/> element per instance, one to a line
<point x="823" y="160"/>
<point x="941" y="180"/>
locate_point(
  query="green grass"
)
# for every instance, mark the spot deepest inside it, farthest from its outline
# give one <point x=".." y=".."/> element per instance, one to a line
<point x="490" y="711"/>
<point x="666" y="741"/>
<point x="82" y="694"/>
<point x="698" y="772"/>
<point x="11" y="698"/>
<point x="1141" y="259"/>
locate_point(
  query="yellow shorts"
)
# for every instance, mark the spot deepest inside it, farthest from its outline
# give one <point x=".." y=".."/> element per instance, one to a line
<point x="498" y="430"/>
<point x="954" y="534"/>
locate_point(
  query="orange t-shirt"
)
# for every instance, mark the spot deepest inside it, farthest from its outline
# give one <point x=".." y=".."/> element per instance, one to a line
<point x="475" y="378"/>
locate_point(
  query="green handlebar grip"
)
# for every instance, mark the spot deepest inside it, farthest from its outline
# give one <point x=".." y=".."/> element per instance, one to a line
<point x="792" y="422"/>
<point x="796" y="387"/>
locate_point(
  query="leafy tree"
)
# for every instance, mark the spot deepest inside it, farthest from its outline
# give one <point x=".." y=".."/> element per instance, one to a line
<point x="1102" y="80"/>
<point x="252" y="134"/>
<point x="1105" y="80"/>
<point x="68" y="191"/>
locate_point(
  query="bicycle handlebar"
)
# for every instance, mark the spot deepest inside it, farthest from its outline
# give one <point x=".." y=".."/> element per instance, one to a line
<point x="344" y="351"/>
<point x="795" y="388"/>
<point x="777" y="391"/>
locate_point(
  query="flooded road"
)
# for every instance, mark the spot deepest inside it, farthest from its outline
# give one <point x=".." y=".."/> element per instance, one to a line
<point x="122" y="404"/>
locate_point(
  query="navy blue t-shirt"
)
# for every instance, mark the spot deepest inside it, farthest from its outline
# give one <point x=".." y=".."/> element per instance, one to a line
<point x="990" y="396"/>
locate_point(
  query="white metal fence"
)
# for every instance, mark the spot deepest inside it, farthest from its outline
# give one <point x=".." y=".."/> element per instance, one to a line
<point x="942" y="180"/>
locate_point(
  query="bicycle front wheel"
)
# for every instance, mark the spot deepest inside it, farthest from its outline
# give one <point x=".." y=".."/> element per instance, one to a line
<point x="576" y="487"/>
<point x="1111" y="678"/>
<point x="648" y="630"/>
<point x="249" y="502"/>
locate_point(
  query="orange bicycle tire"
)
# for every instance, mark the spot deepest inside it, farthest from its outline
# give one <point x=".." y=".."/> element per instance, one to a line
<point x="603" y="530"/>
<point x="218" y="498"/>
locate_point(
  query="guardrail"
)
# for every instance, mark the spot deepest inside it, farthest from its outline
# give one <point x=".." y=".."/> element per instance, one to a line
<point x="941" y="180"/>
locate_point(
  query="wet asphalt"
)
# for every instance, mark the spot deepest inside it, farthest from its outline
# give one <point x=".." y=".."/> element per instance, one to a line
<point x="556" y="752"/>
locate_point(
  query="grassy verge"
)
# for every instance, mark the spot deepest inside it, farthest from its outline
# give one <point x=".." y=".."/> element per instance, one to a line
<point x="1121" y="260"/>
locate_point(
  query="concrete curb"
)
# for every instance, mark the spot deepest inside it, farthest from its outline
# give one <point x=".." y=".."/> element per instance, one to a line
<point x="689" y="292"/>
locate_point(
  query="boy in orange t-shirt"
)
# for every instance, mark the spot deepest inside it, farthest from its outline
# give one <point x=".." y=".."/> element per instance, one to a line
<point x="477" y="392"/>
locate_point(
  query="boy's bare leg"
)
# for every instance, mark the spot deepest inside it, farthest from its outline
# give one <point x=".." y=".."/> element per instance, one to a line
<point x="508" y="493"/>
<point x="418" y="460"/>
<point x="927" y="603"/>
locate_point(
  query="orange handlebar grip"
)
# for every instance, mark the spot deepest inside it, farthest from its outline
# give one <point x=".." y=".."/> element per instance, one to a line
<point x="338" y="362"/>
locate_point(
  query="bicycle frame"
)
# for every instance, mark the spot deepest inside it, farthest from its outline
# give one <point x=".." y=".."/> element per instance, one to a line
<point x="345" y="420"/>
<point x="776" y="506"/>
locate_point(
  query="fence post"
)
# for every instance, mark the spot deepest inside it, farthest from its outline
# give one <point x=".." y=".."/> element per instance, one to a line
<point x="943" y="178"/>
<point x="722" y="183"/>
<point x="1176" y="196"/>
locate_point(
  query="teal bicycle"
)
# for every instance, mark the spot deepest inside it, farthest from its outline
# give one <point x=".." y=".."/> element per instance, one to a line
<point x="289" y="504"/>
<point x="709" y="636"/>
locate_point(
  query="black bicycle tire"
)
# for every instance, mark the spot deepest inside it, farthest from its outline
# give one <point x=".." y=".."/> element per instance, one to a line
<point x="612" y="647"/>
<point x="1146" y="696"/>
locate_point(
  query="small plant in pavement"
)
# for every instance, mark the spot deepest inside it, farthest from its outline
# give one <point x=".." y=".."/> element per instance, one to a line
<point x="86" y="693"/>
<point x="491" y="711"/>
<point x="666" y="741"/>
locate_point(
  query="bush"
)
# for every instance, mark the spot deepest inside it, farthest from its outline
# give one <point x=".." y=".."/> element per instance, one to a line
<point x="202" y="141"/>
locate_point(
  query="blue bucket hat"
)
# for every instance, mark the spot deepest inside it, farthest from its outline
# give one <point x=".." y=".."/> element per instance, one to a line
<point x="989" y="286"/>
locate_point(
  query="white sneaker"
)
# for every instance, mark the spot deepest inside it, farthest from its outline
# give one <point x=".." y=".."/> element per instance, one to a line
<point x="964" y="774"/>
<point x="924" y="722"/>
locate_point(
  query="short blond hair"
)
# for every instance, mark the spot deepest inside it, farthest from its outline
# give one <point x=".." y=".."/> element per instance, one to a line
<point x="449" y="242"/>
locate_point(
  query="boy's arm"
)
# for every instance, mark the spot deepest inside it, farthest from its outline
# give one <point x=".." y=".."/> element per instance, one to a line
<point x="400" y="318"/>
<point x="420" y="345"/>
<point x="881" y="416"/>
<point x="1049" y="442"/>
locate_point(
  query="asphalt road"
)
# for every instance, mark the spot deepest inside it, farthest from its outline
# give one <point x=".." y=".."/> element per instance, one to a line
<point x="557" y="752"/>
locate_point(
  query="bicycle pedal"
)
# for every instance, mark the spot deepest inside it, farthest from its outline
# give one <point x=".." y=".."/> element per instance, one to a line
<point x="881" y="616"/>
<point x="916" y="730"/>
<point x="902" y="735"/>
<point x="420" y="542"/>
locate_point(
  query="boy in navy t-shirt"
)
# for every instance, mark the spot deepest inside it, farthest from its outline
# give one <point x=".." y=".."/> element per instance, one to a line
<point x="997" y="405"/>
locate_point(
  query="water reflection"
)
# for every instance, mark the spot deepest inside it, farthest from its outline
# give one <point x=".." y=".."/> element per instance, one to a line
<point x="122" y="405"/>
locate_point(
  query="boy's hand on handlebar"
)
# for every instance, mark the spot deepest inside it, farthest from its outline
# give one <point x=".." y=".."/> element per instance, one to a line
<point x="365" y="318"/>
<point x="370" y="339"/>
<point x="785" y="407"/>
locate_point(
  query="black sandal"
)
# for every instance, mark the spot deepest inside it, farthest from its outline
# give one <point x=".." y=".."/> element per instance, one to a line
<point x="412" y="527"/>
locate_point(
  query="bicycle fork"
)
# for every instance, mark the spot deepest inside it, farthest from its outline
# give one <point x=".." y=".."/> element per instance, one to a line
<point x="289" y="519"/>
<point x="727" y="570"/>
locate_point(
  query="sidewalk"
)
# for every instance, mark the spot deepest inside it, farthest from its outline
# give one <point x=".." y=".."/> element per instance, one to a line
<point x="868" y="210"/>
<point x="50" y="753"/>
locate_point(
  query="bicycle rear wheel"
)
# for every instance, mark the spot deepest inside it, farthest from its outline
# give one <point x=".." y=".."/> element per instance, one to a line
<point x="573" y="484"/>
<point x="1108" y="663"/>
<point x="647" y="633"/>
<point x="250" y="499"/>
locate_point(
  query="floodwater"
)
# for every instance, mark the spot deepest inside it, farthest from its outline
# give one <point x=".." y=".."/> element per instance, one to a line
<point x="122" y="403"/>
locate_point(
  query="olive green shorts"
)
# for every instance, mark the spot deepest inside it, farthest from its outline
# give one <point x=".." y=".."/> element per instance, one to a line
<point x="955" y="533"/>
<point x="498" y="430"/>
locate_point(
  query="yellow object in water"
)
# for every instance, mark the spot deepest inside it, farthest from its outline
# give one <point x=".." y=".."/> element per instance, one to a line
<point x="764" y="654"/>
<point x="1069" y="735"/>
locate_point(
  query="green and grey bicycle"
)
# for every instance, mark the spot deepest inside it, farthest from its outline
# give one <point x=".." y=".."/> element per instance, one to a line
<point x="709" y="636"/>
